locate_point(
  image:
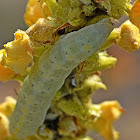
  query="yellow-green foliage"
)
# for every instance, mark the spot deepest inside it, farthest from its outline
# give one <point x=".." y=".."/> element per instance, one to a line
<point x="97" y="62"/>
<point x="115" y="8"/>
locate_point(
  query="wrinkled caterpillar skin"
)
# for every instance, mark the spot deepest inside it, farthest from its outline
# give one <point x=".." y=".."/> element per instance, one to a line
<point x="47" y="77"/>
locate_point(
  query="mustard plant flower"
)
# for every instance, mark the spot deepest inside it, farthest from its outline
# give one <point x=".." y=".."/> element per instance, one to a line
<point x="34" y="11"/>
<point x="129" y="37"/>
<point x="8" y="106"/>
<point x="134" y="14"/>
<point x="5" y="72"/>
<point x="4" y="126"/>
<point x="109" y="112"/>
<point x="18" y="53"/>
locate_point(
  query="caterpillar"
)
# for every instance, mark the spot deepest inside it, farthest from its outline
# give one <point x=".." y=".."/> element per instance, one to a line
<point x="48" y="75"/>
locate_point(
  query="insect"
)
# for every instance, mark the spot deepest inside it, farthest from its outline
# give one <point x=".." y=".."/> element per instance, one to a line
<point x="48" y="75"/>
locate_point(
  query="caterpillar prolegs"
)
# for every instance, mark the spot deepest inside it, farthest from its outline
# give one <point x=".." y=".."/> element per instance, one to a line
<point x="49" y="74"/>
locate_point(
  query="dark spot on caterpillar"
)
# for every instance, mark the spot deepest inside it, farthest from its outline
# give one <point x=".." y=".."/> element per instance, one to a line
<point x="55" y="57"/>
<point x="48" y="89"/>
<point x="67" y="67"/>
<point x="83" y="44"/>
<point x="42" y="72"/>
<point x="33" y="78"/>
<point x="34" y="104"/>
<point x="70" y="48"/>
<point x="52" y="62"/>
<point x="88" y="51"/>
<point x="32" y="85"/>
<point x="61" y="31"/>
<point x="88" y="41"/>
<point x="42" y="91"/>
<point x="43" y="66"/>
<point x="66" y="53"/>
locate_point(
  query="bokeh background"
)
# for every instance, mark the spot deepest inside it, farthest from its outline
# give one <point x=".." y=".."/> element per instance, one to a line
<point x="123" y="81"/>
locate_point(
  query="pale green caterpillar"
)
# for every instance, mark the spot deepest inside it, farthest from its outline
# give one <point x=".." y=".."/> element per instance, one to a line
<point x="49" y="74"/>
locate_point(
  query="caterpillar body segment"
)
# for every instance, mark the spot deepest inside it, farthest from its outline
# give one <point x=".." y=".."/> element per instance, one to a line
<point x="49" y="74"/>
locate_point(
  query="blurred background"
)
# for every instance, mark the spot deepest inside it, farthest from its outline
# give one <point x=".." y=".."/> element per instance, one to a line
<point x="123" y="81"/>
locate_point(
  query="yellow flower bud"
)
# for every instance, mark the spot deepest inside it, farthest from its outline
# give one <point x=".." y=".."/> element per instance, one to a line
<point x="18" y="53"/>
<point x="105" y="114"/>
<point x="134" y="14"/>
<point x="7" y="106"/>
<point x="129" y="37"/>
<point x="111" y="110"/>
<point x="34" y="11"/>
<point x="4" y="126"/>
<point x="42" y="32"/>
<point x="5" y="73"/>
